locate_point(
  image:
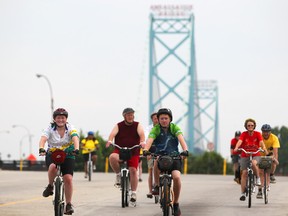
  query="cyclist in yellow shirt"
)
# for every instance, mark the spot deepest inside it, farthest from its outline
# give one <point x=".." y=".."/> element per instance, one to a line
<point x="89" y="144"/>
<point x="272" y="144"/>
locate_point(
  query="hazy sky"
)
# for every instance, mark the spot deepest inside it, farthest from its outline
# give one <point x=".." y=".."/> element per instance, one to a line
<point x="95" y="54"/>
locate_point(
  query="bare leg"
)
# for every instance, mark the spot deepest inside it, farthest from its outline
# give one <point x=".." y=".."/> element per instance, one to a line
<point x="114" y="162"/>
<point x="68" y="187"/>
<point x="176" y="175"/>
<point x="133" y="178"/>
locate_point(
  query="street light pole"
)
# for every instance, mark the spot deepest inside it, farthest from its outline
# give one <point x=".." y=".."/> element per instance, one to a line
<point x="29" y="135"/>
<point x="51" y="93"/>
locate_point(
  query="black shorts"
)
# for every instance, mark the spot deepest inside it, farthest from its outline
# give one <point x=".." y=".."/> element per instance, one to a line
<point x="235" y="158"/>
<point x="66" y="168"/>
<point x="86" y="156"/>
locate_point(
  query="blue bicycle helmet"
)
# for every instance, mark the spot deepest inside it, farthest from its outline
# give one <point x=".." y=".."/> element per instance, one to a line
<point x="90" y="133"/>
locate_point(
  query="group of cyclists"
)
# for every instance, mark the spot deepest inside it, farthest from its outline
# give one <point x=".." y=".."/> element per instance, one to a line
<point x="163" y="135"/>
<point x="251" y="140"/>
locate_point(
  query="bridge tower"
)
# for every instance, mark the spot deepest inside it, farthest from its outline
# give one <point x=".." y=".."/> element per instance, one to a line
<point x="173" y="78"/>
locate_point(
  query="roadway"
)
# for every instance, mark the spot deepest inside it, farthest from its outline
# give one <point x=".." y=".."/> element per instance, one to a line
<point x="20" y="194"/>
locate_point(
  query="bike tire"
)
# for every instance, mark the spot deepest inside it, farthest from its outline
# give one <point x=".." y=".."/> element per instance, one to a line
<point x="166" y="198"/>
<point x="58" y="198"/>
<point x="250" y="182"/>
<point x="127" y="190"/>
<point x="90" y="170"/>
<point x="123" y="189"/>
<point x="265" y="187"/>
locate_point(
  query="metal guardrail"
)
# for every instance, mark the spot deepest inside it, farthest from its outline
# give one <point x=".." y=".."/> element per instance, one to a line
<point x="23" y="165"/>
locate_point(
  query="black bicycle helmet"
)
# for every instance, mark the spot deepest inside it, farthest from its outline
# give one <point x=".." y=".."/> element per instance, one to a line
<point x="266" y="127"/>
<point x="237" y="133"/>
<point x="165" y="111"/>
<point x="60" y="111"/>
<point x="127" y="110"/>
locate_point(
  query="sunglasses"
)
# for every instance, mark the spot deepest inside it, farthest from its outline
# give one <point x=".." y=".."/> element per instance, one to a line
<point x="250" y="125"/>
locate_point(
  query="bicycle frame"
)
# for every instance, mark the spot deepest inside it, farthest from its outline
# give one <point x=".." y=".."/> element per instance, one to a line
<point x="125" y="177"/>
<point x="250" y="178"/>
<point x="89" y="165"/>
<point x="58" y="199"/>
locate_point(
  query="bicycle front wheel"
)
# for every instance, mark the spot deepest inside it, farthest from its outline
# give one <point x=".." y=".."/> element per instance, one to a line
<point x="250" y="187"/>
<point x="123" y="188"/>
<point x="265" y="191"/>
<point x="166" y="198"/>
<point x="58" y="197"/>
<point x="89" y="167"/>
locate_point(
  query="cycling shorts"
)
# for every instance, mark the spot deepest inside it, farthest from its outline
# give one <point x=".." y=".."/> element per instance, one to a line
<point x="235" y="158"/>
<point x="133" y="162"/>
<point x="86" y="156"/>
<point x="66" y="168"/>
<point x="244" y="161"/>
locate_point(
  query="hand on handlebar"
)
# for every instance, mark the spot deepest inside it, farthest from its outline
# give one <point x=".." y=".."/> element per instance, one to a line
<point x="42" y="152"/>
<point x="108" y="144"/>
<point x="146" y="153"/>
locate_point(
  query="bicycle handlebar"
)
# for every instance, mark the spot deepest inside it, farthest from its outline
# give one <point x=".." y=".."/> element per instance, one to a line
<point x="130" y="148"/>
<point x="259" y="150"/>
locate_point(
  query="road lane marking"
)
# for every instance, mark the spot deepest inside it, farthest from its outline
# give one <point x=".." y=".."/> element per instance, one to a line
<point x="21" y="201"/>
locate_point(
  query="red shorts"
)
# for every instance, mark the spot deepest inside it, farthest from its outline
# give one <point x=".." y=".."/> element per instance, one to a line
<point x="133" y="162"/>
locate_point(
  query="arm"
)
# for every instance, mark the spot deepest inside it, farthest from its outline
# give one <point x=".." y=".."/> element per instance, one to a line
<point x="182" y="142"/>
<point x="42" y="142"/>
<point x="141" y="134"/>
<point x="112" y="135"/>
<point x="75" y="140"/>
<point x="238" y="144"/>
<point x="262" y="145"/>
<point x="148" y="144"/>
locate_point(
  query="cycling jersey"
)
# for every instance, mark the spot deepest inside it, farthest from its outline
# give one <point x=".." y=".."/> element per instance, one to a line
<point x="55" y="141"/>
<point x="272" y="141"/>
<point x="250" y="142"/>
<point x="166" y="143"/>
<point x="89" y="144"/>
<point x="232" y="146"/>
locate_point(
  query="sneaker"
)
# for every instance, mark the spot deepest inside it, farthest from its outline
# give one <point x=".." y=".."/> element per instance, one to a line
<point x="149" y="195"/>
<point x="118" y="180"/>
<point x="69" y="209"/>
<point x="272" y="179"/>
<point x="48" y="191"/>
<point x="259" y="195"/>
<point x="254" y="189"/>
<point x="237" y="180"/>
<point x="176" y="209"/>
<point x="94" y="167"/>
<point x="155" y="190"/>
<point x="268" y="188"/>
<point x="133" y="197"/>
<point x="258" y="182"/>
<point x="243" y="197"/>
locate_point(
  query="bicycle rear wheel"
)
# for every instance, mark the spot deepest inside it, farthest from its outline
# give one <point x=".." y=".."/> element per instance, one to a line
<point x="58" y="198"/>
<point x="250" y="187"/>
<point x="166" y="198"/>
<point x="123" y="188"/>
<point x="265" y="191"/>
<point x="89" y="167"/>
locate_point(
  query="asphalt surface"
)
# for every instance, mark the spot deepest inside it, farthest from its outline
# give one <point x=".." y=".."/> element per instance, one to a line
<point x="20" y="195"/>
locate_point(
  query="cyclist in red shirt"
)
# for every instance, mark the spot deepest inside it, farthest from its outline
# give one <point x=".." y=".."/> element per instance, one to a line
<point x="249" y="140"/>
<point x="235" y="157"/>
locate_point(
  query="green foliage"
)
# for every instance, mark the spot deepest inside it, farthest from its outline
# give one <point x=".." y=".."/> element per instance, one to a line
<point x="282" y="134"/>
<point x="207" y="163"/>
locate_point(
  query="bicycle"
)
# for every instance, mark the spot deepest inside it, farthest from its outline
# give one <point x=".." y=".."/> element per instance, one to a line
<point x="58" y="157"/>
<point x="166" y="194"/>
<point x="89" y="165"/>
<point x="124" y="156"/>
<point x="250" y="180"/>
